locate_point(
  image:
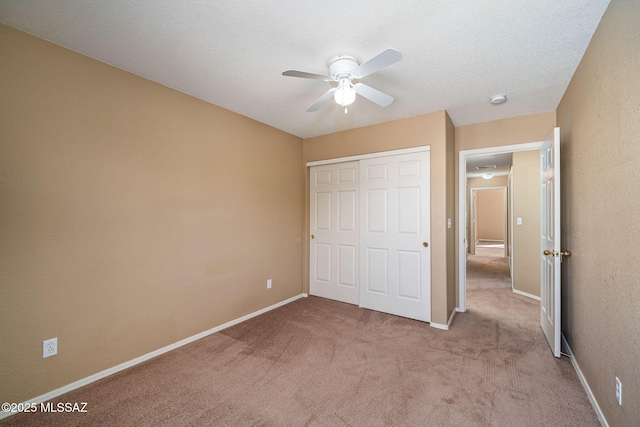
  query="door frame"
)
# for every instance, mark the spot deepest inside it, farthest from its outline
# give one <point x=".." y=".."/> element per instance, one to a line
<point x="369" y="155"/>
<point x="462" y="208"/>
<point x="511" y="230"/>
<point x="474" y="214"/>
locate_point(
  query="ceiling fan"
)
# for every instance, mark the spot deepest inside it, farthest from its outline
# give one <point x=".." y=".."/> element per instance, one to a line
<point x="344" y="69"/>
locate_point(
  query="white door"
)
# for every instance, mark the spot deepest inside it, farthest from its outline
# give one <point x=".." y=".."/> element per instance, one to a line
<point x="395" y="266"/>
<point x="333" y="264"/>
<point x="551" y="256"/>
<point x="473" y="236"/>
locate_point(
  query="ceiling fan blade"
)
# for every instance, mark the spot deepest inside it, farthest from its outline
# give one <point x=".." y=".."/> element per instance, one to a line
<point x="378" y="62"/>
<point x="322" y="100"/>
<point x="373" y="95"/>
<point x="305" y="75"/>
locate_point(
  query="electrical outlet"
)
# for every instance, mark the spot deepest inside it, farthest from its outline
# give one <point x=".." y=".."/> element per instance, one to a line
<point x="269" y="283"/>
<point x="618" y="391"/>
<point x="49" y="347"/>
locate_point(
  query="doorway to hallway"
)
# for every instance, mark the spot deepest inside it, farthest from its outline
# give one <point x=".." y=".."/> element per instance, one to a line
<point x="515" y="172"/>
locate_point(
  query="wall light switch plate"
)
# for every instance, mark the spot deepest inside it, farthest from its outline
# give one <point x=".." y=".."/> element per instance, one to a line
<point x="519" y="221"/>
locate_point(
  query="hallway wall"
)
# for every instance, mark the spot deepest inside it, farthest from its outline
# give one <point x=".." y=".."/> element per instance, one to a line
<point x="526" y="237"/>
<point x="490" y="216"/>
<point x="599" y="119"/>
<point x="496" y="181"/>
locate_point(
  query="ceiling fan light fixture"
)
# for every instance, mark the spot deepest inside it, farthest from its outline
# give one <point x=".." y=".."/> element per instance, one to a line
<point x="345" y="94"/>
<point x="345" y="68"/>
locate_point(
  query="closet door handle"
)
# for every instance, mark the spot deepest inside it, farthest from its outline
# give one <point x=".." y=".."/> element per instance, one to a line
<point x="425" y="244"/>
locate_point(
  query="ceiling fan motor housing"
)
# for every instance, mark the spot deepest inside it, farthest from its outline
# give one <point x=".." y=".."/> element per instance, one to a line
<point x="342" y="66"/>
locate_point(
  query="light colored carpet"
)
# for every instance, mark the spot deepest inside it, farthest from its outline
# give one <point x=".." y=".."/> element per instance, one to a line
<point x="490" y="248"/>
<point x="488" y="251"/>
<point x="487" y="272"/>
<point x="317" y="362"/>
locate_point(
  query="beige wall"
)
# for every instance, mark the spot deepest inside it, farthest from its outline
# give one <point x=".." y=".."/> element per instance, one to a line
<point x="131" y="216"/>
<point x="452" y="303"/>
<point x="517" y="130"/>
<point x="496" y="181"/>
<point x="526" y="237"/>
<point x="490" y="216"/>
<point x="599" y="119"/>
<point x="429" y="129"/>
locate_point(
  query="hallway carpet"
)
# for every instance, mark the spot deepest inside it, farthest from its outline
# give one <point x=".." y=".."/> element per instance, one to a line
<point x="487" y="272"/>
<point x="316" y="362"/>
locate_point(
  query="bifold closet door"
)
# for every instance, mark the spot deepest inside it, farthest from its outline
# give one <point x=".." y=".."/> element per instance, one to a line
<point x="333" y="263"/>
<point x="395" y="266"/>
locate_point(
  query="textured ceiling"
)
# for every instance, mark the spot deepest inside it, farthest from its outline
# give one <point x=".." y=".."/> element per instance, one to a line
<point x="456" y="54"/>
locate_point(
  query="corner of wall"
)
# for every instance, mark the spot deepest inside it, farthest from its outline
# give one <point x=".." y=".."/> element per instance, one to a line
<point x="451" y="214"/>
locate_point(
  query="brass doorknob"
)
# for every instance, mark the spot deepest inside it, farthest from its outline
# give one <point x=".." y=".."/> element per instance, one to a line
<point x="425" y="244"/>
<point x="563" y="253"/>
<point x="313" y="237"/>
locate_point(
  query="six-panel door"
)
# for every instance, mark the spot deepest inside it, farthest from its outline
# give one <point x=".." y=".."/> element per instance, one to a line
<point x="395" y="268"/>
<point x="334" y="264"/>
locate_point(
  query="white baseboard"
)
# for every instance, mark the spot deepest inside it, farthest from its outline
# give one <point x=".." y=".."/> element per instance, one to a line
<point x="515" y="291"/>
<point x="447" y="326"/>
<point x="585" y="384"/>
<point x="100" y="375"/>
<point x="489" y="240"/>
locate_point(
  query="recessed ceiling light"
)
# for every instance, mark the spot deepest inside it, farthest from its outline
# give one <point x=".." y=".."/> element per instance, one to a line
<point x="498" y="99"/>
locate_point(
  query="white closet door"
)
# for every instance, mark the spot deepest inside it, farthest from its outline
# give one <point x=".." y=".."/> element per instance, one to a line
<point x="333" y="264"/>
<point x="395" y="259"/>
